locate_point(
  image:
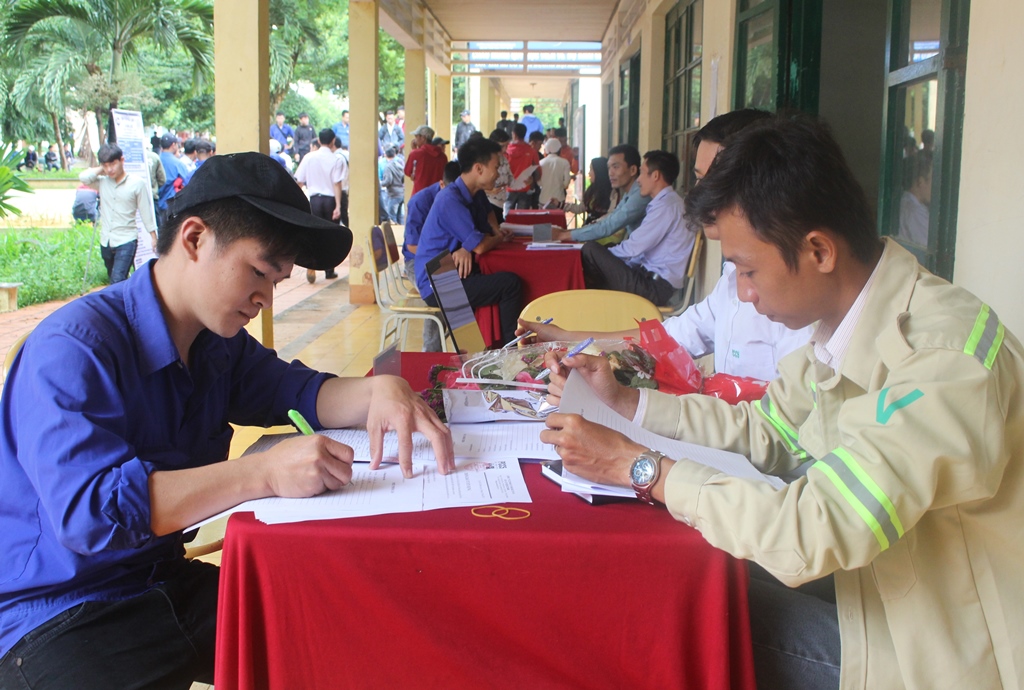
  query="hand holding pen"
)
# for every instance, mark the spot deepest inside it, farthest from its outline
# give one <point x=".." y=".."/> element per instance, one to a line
<point x="571" y="353"/>
<point x="526" y="334"/>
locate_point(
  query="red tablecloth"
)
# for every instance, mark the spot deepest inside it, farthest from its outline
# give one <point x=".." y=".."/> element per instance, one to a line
<point x="525" y="216"/>
<point x="541" y="273"/>
<point x="574" y="596"/>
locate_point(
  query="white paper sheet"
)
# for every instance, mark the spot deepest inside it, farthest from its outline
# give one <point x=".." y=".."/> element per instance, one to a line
<point x="502" y="439"/>
<point x="579" y="398"/>
<point x="518" y="229"/>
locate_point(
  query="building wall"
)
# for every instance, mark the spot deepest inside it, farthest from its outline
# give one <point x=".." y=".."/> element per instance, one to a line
<point x="990" y="226"/>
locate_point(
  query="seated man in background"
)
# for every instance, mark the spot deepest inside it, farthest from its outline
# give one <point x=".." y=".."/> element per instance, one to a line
<point x="628" y="202"/>
<point x="652" y="261"/>
<point x="744" y="342"/>
<point x="117" y="416"/>
<point x="450" y="226"/>
<point x="902" y="423"/>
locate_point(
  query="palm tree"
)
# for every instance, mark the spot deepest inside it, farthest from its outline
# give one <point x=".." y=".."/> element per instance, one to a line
<point x="120" y="25"/>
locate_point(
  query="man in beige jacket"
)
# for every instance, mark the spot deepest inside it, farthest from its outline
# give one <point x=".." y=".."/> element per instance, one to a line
<point x="900" y="428"/>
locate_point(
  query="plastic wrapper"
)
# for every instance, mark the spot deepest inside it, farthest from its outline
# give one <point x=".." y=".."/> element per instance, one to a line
<point x="503" y="385"/>
<point x="676" y="372"/>
<point x="734" y="389"/>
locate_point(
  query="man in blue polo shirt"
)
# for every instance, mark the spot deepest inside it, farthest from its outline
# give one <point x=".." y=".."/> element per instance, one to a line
<point x="419" y="208"/>
<point x="450" y="226"/>
<point x="117" y="418"/>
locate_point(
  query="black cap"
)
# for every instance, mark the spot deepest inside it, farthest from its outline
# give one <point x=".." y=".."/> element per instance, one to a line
<point x="439" y="141"/>
<point x="168" y="140"/>
<point x="264" y="183"/>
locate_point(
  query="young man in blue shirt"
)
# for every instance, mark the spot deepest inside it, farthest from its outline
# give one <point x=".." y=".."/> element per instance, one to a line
<point x="115" y="427"/>
<point x="452" y="226"/>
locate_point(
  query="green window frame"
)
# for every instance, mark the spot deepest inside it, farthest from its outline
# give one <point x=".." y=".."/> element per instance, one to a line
<point x="629" y="100"/>
<point x="681" y="117"/>
<point x="924" y="85"/>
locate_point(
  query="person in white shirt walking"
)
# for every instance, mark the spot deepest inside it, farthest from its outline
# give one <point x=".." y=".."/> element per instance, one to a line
<point x="321" y="172"/>
<point x="555" y="174"/>
<point x="121" y="197"/>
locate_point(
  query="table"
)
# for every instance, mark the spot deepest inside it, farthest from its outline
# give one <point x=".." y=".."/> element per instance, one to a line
<point x="573" y="596"/>
<point x="541" y="272"/>
<point x="526" y="216"/>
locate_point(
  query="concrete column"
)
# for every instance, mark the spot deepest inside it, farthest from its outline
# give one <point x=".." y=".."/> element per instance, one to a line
<point x="443" y="107"/>
<point x="415" y="100"/>
<point x="652" y="80"/>
<point x="431" y="98"/>
<point x="241" y="46"/>
<point x="363" y="184"/>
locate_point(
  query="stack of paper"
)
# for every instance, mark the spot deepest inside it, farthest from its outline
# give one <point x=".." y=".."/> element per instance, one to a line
<point x="574" y="484"/>
<point x="518" y="229"/>
<point x="554" y="245"/>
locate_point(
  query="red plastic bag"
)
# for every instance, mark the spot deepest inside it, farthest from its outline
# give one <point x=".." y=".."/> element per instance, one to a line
<point x="734" y="389"/>
<point x="676" y="372"/>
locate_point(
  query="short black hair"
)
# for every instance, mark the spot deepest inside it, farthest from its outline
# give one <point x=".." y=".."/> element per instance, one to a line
<point x="326" y="136"/>
<point x="478" y="150"/>
<point x="629" y="152"/>
<point x="527" y="108"/>
<point x="788" y="176"/>
<point x="302" y="115"/>
<point x="536" y="136"/>
<point x="719" y="129"/>
<point x="389" y="112"/>
<point x="279" y="112"/>
<point x="230" y="220"/>
<point x="390" y="152"/>
<point x="203" y="146"/>
<point x="561" y="132"/>
<point x="665" y="163"/>
<point x="190" y="146"/>
<point x="519" y="129"/>
<point x="452" y="170"/>
<point x="344" y="113"/>
<point x="500" y="136"/>
<point x="109" y="153"/>
<point x="504" y="114"/>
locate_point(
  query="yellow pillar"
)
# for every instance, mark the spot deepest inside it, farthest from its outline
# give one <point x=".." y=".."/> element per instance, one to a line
<point x="443" y="107"/>
<point x="415" y="100"/>
<point x="241" y="46"/>
<point x="363" y="184"/>
<point x="652" y="80"/>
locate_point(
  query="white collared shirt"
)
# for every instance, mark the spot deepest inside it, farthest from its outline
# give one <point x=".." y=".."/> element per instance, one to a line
<point x="830" y="345"/>
<point x="320" y="171"/>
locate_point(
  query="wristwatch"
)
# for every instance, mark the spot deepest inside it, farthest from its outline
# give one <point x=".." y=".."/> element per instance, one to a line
<point x="644" y="474"/>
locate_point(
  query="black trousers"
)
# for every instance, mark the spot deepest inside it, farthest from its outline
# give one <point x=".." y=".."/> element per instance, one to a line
<point x="322" y="206"/>
<point x="602" y="270"/>
<point x="163" y="638"/>
<point x="503" y="289"/>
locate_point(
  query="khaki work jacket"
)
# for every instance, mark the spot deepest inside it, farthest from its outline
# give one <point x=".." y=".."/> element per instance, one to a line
<point x="909" y="484"/>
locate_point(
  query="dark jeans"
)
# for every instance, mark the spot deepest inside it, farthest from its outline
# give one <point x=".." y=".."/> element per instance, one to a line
<point x="344" y="209"/>
<point x="163" y="638"/>
<point x="322" y="206"/>
<point x="795" y="633"/>
<point x="521" y="200"/>
<point x="502" y="289"/>
<point x="603" y="270"/>
<point x="118" y="260"/>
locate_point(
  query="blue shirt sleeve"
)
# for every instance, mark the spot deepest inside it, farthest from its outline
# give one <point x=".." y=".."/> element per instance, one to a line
<point x="629" y="213"/>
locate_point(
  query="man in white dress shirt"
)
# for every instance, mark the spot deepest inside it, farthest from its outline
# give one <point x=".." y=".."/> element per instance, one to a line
<point x="652" y="261"/>
<point x="322" y="173"/>
<point x="744" y="342"/>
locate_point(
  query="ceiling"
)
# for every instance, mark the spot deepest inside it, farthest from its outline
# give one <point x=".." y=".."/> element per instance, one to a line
<point x="530" y="88"/>
<point x="532" y="20"/>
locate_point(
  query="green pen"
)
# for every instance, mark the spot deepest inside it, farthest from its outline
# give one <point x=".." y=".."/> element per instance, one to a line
<point x="300" y="422"/>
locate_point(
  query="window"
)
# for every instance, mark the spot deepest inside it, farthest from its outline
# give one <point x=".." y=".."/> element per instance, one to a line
<point x="609" y="109"/>
<point x="629" y="101"/>
<point x="684" y="42"/>
<point x="925" y="68"/>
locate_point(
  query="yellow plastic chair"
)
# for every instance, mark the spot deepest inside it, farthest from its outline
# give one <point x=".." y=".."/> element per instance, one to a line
<point x="12" y="353"/>
<point x="592" y="310"/>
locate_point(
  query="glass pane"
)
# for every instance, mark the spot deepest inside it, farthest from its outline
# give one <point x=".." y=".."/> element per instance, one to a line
<point x="747" y="4"/>
<point x="758" y="43"/>
<point x="697" y="30"/>
<point x="682" y="112"/>
<point x="667" y="124"/>
<point x="921" y="40"/>
<point x="913" y="163"/>
<point x="693" y="119"/>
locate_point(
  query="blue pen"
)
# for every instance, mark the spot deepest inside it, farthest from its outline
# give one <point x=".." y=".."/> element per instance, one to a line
<point x="571" y="353"/>
<point x="525" y="335"/>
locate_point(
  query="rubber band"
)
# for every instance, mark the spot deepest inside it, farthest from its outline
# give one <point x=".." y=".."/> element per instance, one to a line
<point x="501" y="512"/>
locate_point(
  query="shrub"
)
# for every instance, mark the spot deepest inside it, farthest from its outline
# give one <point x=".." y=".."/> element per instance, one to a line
<point x="51" y="264"/>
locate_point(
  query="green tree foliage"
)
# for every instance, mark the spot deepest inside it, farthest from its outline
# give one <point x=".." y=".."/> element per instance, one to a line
<point x="10" y="180"/>
<point x="121" y="26"/>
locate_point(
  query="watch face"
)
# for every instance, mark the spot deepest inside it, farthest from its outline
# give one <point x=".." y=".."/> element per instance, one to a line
<point x="642" y="471"/>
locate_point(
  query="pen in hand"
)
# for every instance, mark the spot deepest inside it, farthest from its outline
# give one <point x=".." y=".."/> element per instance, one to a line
<point x="571" y="353"/>
<point x="517" y="339"/>
<point x="300" y="422"/>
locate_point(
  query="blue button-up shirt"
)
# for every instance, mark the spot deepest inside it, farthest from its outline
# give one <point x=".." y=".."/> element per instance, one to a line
<point x="663" y="242"/>
<point x="419" y="206"/>
<point x="96" y="400"/>
<point x="456" y="219"/>
<point x="629" y="213"/>
<point x="341" y="131"/>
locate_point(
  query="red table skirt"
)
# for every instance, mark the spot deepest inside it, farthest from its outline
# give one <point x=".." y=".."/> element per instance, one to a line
<point x="541" y="273"/>
<point x="573" y="596"/>
<point x="525" y="216"/>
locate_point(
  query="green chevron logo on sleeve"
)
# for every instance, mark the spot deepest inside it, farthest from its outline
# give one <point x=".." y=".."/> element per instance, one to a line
<point x="885" y="412"/>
